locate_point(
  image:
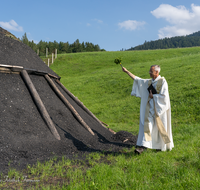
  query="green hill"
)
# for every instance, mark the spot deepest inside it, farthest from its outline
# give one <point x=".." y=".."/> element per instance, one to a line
<point x="191" y="40"/>
<point x="101" y="85"/>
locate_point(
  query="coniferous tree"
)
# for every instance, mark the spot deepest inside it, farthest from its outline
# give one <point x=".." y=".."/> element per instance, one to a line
<point x="25" y="39"/>
<point x="174" y="42"/>
<point x="61" y="47"/>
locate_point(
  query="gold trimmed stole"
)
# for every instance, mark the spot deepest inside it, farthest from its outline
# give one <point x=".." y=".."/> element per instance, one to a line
<point x="159" y="123"/>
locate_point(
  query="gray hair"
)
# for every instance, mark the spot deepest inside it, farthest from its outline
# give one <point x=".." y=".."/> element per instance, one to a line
<point x="156" y="68"/>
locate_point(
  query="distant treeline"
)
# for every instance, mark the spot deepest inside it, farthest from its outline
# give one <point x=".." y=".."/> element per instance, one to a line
<point x="174" y="42"/>
<point x="61" y="46"/>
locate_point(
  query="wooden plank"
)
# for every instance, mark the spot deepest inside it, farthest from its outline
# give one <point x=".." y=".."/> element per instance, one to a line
<point x="39" y="104"/>
<point x="12" y="69"/>
<point x="8" y="71"/>
<point x="11" y="66"/>
<point x="53" y="76"/>
<point x="66" y="102"/>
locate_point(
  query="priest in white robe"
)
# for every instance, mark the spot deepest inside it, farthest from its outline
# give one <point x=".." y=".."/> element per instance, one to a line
<point x="155" y="131"/>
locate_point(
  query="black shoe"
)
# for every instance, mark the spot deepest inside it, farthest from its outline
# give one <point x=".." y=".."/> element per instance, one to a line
<point x="158" y="150"/>
<point x="139" y="150"/>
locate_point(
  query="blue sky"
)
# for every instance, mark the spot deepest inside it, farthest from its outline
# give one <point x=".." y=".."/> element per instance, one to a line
<point x="112" y="24"/>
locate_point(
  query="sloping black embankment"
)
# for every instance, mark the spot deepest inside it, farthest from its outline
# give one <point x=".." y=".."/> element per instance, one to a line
<point x="24" y="136"/>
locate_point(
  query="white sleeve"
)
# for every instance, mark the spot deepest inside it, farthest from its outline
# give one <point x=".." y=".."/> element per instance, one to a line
<point x="162" y="103"/>
<point x="139" y="87"/>
<point x="135" y="89"/>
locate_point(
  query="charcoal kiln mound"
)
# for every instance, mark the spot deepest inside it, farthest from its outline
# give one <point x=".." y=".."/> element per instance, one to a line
<point x="39" y="117"/>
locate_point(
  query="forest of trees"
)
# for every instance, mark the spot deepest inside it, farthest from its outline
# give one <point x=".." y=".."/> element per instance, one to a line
<point x="174" y="42"/>
<point x="61" y="46"/>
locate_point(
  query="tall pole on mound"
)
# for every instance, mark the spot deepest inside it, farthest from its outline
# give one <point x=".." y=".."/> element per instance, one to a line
<point x="66" y="102"/>
<point x="39" y="104"/>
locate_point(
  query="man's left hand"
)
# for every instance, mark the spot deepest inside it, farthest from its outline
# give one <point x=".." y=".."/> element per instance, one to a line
<point x="150" y="94"/>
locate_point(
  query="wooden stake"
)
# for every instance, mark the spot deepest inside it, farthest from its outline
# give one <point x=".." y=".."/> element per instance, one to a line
<point x="66" y="102"/>
<point x="55" y="53"/>
<point x="46" y="52"/>
<point x="39" y="104"/>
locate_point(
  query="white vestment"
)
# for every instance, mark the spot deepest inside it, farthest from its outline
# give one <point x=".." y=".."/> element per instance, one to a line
<point x="163" y="110"/>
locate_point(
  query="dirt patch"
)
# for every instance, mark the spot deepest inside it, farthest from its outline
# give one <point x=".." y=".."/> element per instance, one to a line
<point x="24" y="136"/>
<point x="124" y="136"/>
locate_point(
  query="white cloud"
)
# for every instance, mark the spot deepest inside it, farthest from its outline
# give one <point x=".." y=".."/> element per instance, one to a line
<point x="11" y="25"/>
<point x="35" y="41"/>
<point x="182" y="21"/>
<point x="98" y="21"/>
<point x="88" y="24"/>
<point x="131" y="24"/>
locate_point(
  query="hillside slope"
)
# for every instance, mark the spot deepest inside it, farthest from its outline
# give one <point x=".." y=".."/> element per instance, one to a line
<point x="96" y="80"/>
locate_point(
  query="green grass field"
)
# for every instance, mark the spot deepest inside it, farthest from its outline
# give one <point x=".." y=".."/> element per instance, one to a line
<point x="102" y="86"/>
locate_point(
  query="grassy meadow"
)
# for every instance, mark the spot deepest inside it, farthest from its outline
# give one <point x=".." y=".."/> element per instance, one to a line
<point x="102" y="86"/>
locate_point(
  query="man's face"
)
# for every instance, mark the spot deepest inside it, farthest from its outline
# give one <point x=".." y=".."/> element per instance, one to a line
<point x="153" y="73"/>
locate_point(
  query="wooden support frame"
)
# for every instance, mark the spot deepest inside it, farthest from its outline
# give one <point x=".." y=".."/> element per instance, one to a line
<point x="39" y="104"/>
<point x="66" y="102"/>
<point x="12" y="69"/>
<point x="8" y="71"/>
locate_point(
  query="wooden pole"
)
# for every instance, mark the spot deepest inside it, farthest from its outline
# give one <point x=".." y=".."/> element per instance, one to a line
<point x="66" y="102"/>
<point x="46" y="52"/>
<point x="52" y="57"/>
<point x="48" y="62"/>
<point x="55" y="53"/>
<point x="39" y="104"/>
<point x="80" y="103"/>
<point x="18" y="69"/>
